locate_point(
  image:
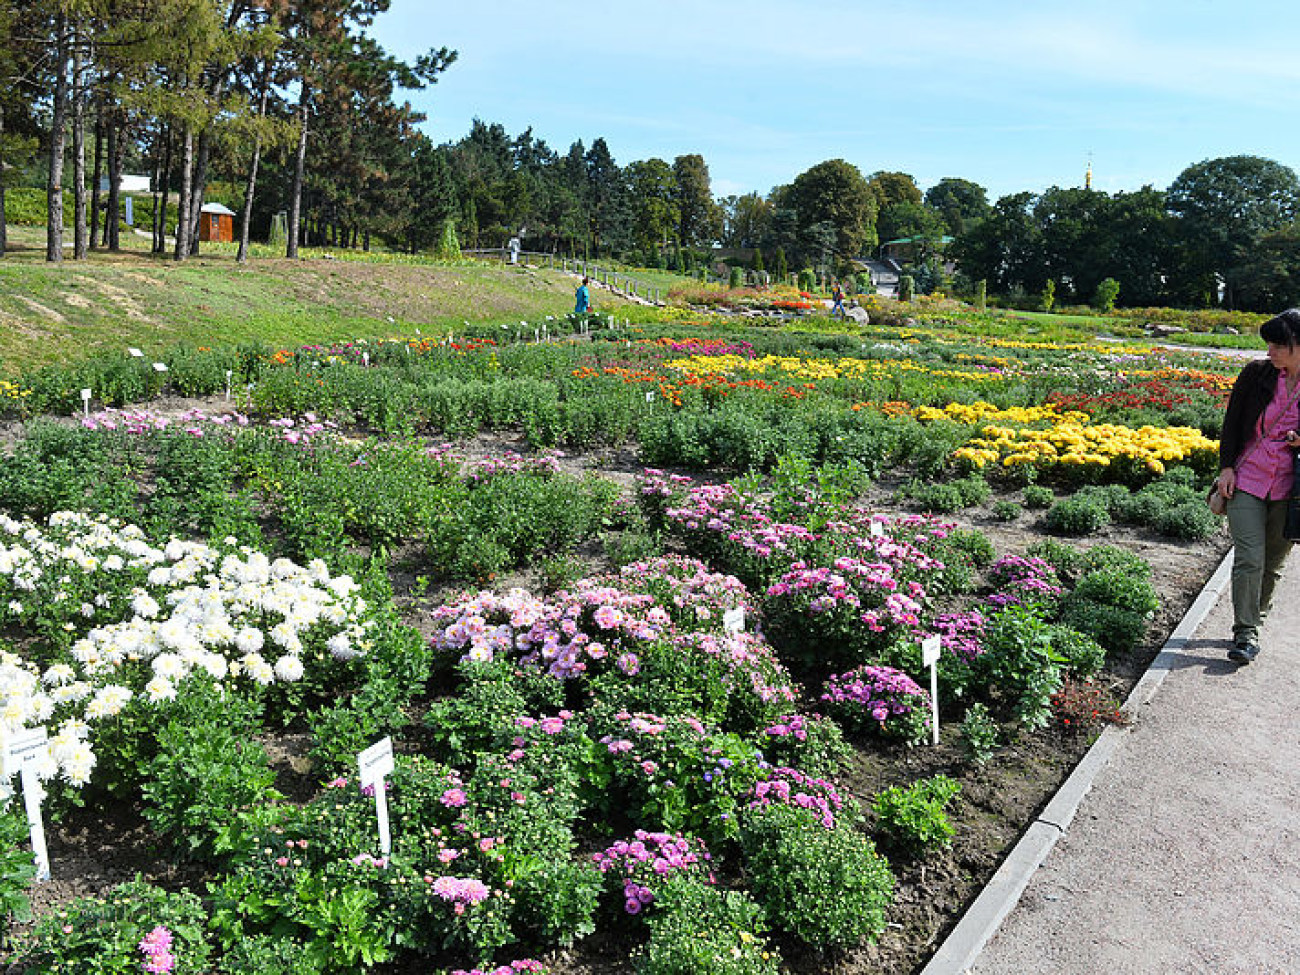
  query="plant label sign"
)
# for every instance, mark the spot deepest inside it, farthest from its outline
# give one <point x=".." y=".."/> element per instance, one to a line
<point x="85" y="401"/>
<point x="160" y="367"/>
<point x="135" y="353"/>
<point x="931" y="647"/>
<point x="27" y="749"/>
<point x="733" y="620"/>
<point x="375" y="763"/>
<point x="877" y="528"/>
<point x="229" y="374"/>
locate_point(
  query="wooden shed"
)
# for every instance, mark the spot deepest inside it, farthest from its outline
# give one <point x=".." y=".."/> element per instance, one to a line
<point x="216" y="223"/>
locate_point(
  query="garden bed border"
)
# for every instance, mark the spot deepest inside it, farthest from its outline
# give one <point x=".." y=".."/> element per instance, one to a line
<point x="986" y="913"/>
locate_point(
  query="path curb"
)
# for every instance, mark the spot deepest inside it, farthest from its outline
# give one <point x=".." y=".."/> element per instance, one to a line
<point x="985" y="915"/>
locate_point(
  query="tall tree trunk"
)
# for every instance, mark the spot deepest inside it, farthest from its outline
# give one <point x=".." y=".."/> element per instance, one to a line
<point x="199" y="185"/>
<point x="94" y="179"/>
<point x="160" y="242"/>
<point x="299" y="164"/>
<point x="187" y="190"/>
<point x="54" y="185"/>
<point x="116" y="147"/>
<point x="80" y="247"/>
<point x="4" y="225"/>
<point x="246" y="211"/>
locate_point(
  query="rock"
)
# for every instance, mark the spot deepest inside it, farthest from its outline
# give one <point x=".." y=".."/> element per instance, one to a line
<point x="859" y="315"/>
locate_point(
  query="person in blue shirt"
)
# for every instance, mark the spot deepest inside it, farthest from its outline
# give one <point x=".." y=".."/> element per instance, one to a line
<point x="582" y="302"/>
<point x="837" y="295"/>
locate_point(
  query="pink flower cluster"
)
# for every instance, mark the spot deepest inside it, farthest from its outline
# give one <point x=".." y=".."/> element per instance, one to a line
<point x="650" y="856"/>
<point x="565" y="635"/>
<point x="546" y="464"/>
<point x="157" y="949"/>
<point x="1022" y="581"/>
<point x="514" y="968"/>
<point x="461" y="891"/>
<point x="194" y="422"/>
<point x="853" y="585"/>
<point x="882" y="692"/>
<point x="304" y="432"/>
<point x="960" y="634"/>
<point x="692" y="593"/>
<point x="753" y="665"/>
<point x="790" y="787"/>
<point x="789" y="726"/>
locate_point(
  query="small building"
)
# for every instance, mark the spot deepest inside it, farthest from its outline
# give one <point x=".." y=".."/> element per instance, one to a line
<point x="216" y="223"/>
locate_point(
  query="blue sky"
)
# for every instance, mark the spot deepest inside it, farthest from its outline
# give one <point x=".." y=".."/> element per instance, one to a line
<point x="1015" y="96"/>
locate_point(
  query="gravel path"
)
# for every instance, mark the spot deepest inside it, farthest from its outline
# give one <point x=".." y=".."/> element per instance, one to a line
<point x="1185" y="856"/>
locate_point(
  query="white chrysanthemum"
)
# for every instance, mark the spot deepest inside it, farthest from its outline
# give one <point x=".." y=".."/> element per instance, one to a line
<point x="113" y="563"/>
<point x="145" y="605"/>
<point x="340" y="645"/>
<point x="215" y="664"/>
<point x="343" y="586"/>
<point x="257" y="668"/>
<point x="73" y="728"/>
<point x="289" y="668"/>
<point x="249" y="640"/>
<point x="108" y="701"/>
<point x="71" y="693"/>
<point x="284" y="635"/>
<point x="159" y="576"/>
<point x="59" y="674"/>
<point x="76" y="762"/>
<point x="169" y="666"/>
<point x="15" y="607"/>
<point x="160" y="689"/>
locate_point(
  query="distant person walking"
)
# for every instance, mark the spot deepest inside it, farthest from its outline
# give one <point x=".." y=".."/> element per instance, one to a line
<point x="1261" y="433"/>
<point x="582" y="298"/>
<point x="837" y="296"/>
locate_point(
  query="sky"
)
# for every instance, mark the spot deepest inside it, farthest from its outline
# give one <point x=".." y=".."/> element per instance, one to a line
<point x="1012" y="95"/>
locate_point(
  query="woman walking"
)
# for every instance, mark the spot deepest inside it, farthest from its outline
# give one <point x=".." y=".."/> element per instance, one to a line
<point x="1256" y="460"/>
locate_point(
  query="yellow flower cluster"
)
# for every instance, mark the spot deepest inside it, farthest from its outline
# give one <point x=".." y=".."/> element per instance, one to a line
<point x="981" y="412"/>
<point x="1073" y="443"/>
<point x="814" y="369"/>
<point x="10" y="392"/>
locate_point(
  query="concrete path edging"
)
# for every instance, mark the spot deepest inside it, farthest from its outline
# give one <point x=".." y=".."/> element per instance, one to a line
<point x="985" y="915"/>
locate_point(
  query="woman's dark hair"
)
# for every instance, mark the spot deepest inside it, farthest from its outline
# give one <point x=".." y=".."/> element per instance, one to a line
<point x="1283" y="329"/>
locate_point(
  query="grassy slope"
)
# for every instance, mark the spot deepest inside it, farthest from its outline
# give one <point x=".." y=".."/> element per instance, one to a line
<point x="58" y="313"/>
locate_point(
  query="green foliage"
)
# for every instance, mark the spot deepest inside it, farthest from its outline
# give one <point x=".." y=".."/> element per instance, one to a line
<point x="103" y="934"/>
<point x="262" y="954"/>
<point x="1112" y="603"/>
<point x="979" y="733"/>
<point x="826" y="887"/>
<point x="1077" y="516"/>
<point x="1047" y="300"/>
<point x="981" y="294"/>
<point x="906" y="287"/>
<point x="1006" y="510"/>
<point x="736" y="279"/>
<point x="1038" y="496"/>
<point x="1020" y="664"/>
<point x="1107" y="293"/>
<point x="697" y="929"/>
<point x="208" y="788"/>
<point x="807" y="280"/>
<point x="914" y="820"/>
<point x="17" y="869"/>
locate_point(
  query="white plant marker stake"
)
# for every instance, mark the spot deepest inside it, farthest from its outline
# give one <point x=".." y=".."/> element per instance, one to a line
<point x="135" y="353"/>
<point x="733" y="620"/>
<point x="650" y="397"/>
<point x="85" y="402"/>
<point x="229" y="374"/>
<point x="27" y="749"/>
<point x="877" y="528"/>
<point x="375" y="763"/>
<point x="930" y="649"/>
<point x="365" y="359"/>
<point x="160" y="367"/>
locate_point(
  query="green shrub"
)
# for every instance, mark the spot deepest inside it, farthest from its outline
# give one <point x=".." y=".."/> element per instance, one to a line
<point x="262" y="954"/>
<point x="914" y="819"/>
<point x="1077" y="516"/>
<point x="700" y="930"/>
<point x="103" y="934"/>
<point x="1019" y="664"/>
<point x="1006" y="510"/>
<point x="826" y="887"/>
<point x="209" y="788"/>
<point x="1190" y="520"/>
<point x="1083" y="655"/>
<point x="1038" y="496"/>
<point x="17" y="870"/>
<point x="736" y="279"/>
<point x="1107" y="293"/>
<point x="979" y="734"/>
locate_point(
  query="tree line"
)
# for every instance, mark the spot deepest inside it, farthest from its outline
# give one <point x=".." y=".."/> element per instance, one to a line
<point x="289" y="107"/>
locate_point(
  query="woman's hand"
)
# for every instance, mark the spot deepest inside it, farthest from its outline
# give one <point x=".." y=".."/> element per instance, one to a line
<point x="1293" y="438"/>
<point x="1227" y="481"/>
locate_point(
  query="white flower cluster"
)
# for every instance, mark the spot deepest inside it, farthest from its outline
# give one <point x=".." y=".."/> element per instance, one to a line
<point x="236" y="615"/>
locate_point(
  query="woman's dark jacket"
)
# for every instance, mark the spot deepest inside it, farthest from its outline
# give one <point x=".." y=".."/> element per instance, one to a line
<point x="1251" y="393"/>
